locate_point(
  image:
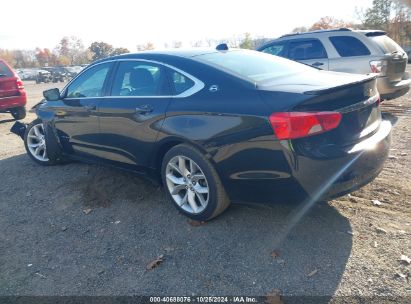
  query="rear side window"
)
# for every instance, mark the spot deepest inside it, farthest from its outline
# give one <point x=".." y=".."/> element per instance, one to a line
<point x="4" y="70"/>
<point x="306" y="49"/>
<point x="277" y="49"/>
<point x="348" y="46"/>
<point x="180" y="82"/>
<point x="138" y="78"/>
<point x="386" y="43"/>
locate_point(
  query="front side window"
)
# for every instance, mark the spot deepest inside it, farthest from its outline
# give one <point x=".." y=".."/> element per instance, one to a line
<point x="277" y="49"/>
<point x="90" y="83"/>
<point x="306" y="50"/>
<point x="348" y="46"/>
<point x="138" y="78"/>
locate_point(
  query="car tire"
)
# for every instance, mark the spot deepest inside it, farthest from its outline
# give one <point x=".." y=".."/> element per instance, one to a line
<point x="41" y="144"/>
<point x="18" y="113"/>
<point x="192" y="184"/>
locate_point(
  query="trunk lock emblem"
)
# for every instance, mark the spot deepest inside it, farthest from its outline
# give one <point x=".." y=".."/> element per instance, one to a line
<point x="213" y="88"/>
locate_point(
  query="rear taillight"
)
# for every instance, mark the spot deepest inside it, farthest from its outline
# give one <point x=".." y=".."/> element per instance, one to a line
<point x="378" y="66"/>
<point x="19" y="83"/>
<point x="290" y="125"/>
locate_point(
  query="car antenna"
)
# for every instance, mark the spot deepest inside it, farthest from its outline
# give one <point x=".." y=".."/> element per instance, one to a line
<point x="222" y="47"/>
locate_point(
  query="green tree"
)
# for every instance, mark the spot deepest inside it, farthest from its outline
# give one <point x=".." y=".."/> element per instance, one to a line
<point x="377" y="16"/>
<point x="247" y="42"/>
<point x="71" y="48"/>
<point x="100" y="50"/>
<point x="119" y="51"/>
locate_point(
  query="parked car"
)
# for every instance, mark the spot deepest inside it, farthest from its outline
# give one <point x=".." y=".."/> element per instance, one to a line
<point x="73" y="70"/>
<point x="217" y="126"/>
<point x="43" y="76"/>
<point x="408" y="51"/>
<point x="12" y="94"/>
<point x="345" y="50"/>
<point x="58" y="74"/>
<point x="28" y="73"/>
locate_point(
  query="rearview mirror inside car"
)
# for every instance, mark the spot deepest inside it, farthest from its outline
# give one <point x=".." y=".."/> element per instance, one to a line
<point x="52" y="94"/>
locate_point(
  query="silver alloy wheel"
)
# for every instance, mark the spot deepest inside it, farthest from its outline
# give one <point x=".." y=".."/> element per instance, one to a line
<point x="187" y="184"/>
<point x="36" y="142"/>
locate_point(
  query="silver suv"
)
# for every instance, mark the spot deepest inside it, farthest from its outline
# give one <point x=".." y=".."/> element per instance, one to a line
<point x="350" y="51"/>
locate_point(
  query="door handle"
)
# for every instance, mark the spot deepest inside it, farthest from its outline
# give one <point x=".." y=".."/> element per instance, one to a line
<point x="317" y="64"/>
<point x="144" y="109"/>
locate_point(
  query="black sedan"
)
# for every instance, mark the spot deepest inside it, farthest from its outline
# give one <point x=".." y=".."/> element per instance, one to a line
<point x="217" y="126"/>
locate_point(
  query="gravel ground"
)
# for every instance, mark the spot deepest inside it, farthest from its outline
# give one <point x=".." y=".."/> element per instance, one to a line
<point x="81" y="229"/>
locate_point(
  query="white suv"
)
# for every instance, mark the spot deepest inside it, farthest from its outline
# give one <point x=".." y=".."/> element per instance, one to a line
<point x="350" y="51"/>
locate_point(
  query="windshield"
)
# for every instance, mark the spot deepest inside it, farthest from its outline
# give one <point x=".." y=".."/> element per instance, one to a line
<point x="255" y="66"/>
<point x="386" y="43"/>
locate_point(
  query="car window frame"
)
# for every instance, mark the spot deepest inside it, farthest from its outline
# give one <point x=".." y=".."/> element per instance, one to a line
<point x="103" y="89"/>
<point x="197" y="87"/>
<point x="171" y="83"/>
<point x="305" y="40"/>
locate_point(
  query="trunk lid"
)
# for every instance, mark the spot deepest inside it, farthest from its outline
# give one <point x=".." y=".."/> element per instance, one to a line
<point x="354" y="96"/>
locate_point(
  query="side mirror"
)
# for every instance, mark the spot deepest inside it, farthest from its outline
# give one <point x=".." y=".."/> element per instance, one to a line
<point x="52" y="94"/>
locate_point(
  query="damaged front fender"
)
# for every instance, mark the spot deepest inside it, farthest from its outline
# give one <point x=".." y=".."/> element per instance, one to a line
<point x="19" y="129"/>
<point x="34" y="108"/>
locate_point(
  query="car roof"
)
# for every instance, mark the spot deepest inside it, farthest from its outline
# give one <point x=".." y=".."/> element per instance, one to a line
<point x="167" y="53"/>
<point x="187" y="53"/>
<point x="368" y="33"/>
<point x="342" y="29"/>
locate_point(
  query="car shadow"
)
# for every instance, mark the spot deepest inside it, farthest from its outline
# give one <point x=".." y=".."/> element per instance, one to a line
<point x="7" y="120"/>
<point x="48" y="220"/>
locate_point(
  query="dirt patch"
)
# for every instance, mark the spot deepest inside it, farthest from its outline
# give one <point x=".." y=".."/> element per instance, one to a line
<point x="101" y="186"/>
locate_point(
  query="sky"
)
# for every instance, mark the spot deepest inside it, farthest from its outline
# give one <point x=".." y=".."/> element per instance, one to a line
<point x="127" y="23"/>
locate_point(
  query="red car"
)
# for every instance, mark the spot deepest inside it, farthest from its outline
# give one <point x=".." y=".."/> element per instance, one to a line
<point x="12" y="94"/>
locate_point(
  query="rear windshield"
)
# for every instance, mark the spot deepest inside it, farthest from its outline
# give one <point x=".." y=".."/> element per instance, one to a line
<point x="386" y="43"/>
<point x="254" y="66"/>
<point x="5" y="71"/>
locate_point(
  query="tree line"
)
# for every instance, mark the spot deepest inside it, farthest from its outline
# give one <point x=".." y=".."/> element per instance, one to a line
<point x="69" y="51"/>
<point x="391" y="16"/>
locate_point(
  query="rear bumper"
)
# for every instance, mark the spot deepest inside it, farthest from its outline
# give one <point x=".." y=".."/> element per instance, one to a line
<point x="319" y="177"/>
<point x="390" y="90"/>
<point x="367" y="159"/>
<point x="7" y="103"/>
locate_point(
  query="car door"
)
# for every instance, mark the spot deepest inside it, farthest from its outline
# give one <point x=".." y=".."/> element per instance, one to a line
<point x="76" y="114"/>
<point x="131" y="117"/>
<point x="309" y="51"/>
